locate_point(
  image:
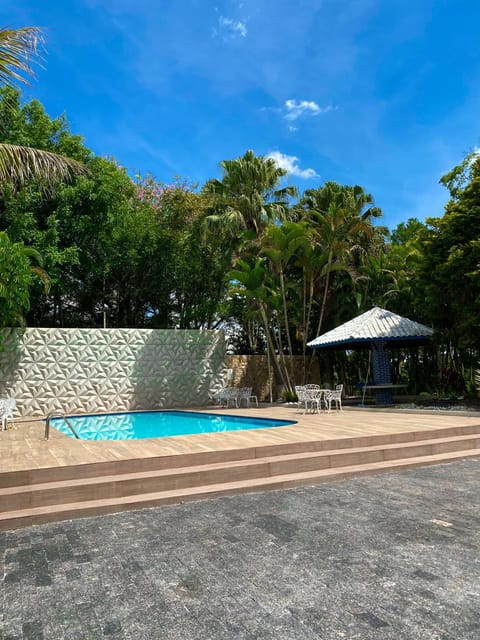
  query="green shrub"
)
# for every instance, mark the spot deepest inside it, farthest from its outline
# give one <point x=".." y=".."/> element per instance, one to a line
<point x="289" y="396"/>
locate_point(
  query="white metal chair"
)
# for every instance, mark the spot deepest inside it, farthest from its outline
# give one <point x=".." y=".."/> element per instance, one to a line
<point x="230" y="397"/>
<point x="216" y="397"/>
<point x="246" y="394"/>
<point x="3" y="412"/>
<point x="225" y="397"/>
<point x="300" y="391"/>
<point x="7" y="408"/>
<point x="312" y="397"/>
<point x="334" y="396"/>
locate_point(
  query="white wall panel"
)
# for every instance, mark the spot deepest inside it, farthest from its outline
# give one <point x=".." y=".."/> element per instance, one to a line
<point x="96" y="370"/>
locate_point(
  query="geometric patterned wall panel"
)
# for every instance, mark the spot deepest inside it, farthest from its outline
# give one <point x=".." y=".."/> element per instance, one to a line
<point x="101" y="370"/>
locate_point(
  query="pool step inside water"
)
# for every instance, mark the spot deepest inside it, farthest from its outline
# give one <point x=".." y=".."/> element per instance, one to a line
<point x="44" y="495"/>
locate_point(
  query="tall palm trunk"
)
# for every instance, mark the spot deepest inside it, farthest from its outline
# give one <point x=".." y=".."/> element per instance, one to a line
<point x="325" y="293"/>
<point x="287" y="327"/>
<point x="324" y="304"/>
<point x="306" y="333"/>
<point x="271" y="346"/>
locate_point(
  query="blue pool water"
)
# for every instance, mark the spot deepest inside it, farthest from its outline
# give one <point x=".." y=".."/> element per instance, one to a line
<point x="158" y="424"/>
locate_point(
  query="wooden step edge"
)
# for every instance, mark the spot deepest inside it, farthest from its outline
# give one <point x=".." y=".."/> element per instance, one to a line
<point x="29" y="477"/>
<point x="254" y="462"/>
<point x="87" y="470"/>
<point x="51" y="513"/>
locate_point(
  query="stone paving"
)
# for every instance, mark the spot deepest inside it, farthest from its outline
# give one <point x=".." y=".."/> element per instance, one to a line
<point x="392" y="556"/>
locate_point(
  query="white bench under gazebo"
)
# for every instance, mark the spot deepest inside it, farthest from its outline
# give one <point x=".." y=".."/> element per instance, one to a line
<point x="378" y="330"/>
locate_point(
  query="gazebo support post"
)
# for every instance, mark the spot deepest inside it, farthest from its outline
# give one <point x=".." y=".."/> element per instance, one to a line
<point x="381" y="372"/>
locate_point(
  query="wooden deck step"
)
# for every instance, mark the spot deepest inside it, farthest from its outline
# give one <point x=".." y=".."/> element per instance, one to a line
<point x="118" y="485"/>
<point x="36" y="515"/>
<point x="149" y="464"/>
<point x="215" y="473"/>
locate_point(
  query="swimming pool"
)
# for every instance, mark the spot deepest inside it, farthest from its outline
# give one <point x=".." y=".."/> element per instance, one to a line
<point x="137" y="425"/>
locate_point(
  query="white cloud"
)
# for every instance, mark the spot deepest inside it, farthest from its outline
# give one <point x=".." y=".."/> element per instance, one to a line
<point x="232" y="28"/>
<point x="290" y="164"/>
<point x="297" y="108"/>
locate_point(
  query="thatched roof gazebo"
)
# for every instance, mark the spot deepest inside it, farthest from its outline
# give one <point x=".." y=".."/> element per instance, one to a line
<point x="377" y="329"/>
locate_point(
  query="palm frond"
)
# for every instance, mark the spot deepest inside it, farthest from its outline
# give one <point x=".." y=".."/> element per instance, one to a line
<point x="20" y="165"/>
<point x="285" y="193"/>
<point x="18" y="47"/>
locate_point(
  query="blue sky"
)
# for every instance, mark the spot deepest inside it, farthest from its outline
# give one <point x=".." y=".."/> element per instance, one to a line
<point x="382" y="93"/>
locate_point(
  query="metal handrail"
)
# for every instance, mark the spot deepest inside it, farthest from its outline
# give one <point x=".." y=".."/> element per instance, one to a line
<point x="57" y="414"/>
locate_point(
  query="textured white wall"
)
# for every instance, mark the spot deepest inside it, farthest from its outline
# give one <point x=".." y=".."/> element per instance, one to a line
<point x="97" y="370"/>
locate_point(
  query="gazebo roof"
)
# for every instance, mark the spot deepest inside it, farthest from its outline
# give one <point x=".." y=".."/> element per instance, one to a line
<point x="376" y="325"/>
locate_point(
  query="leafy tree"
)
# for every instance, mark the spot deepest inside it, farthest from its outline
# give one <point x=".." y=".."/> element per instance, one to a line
<point x="452" y="257"/>
<point x="18" y="267"/>
<point x="449" y="279"/>
<point x="197" y="270"/>
<point x="401" y="267"/>
<point x="77" y="228"/>
<point x="407" y="232"/>
<point x="131" y="247"/>
<point x="20" y="165"/>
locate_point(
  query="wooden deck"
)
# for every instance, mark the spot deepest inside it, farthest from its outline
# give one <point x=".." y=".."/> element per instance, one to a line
<point x="24" y="448"/>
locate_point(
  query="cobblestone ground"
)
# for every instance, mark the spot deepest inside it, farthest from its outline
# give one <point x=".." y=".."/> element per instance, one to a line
<point x="390" y="556"/>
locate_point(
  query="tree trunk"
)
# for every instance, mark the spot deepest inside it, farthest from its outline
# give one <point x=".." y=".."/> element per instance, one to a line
<point x="271" y="346"/>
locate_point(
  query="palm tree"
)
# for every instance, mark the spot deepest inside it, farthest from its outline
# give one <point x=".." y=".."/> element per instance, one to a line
<point x="251" y="281"/>
<point x="19" y="165"/>
<point x="280" y="244"/>
<point x="342" y="236"/>
<point x="341" y="218"/>
<point x="248" y="197"/>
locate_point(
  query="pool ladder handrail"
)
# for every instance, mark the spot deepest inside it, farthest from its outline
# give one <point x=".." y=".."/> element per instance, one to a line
<point x="58" y="414"/>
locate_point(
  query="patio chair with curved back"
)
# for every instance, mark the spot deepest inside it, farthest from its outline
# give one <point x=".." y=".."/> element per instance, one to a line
<point x="217" y="396"/>
<point x="7" y="408"/>
<point x="334" y="396"/>
<point x="3" y="411"/>
<point x="312" y="397"/>
<point x="225" y="397"/>
<point x="230" y="397"/>
<point x="300" y="391"/>
<point x="246" y="394"/>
